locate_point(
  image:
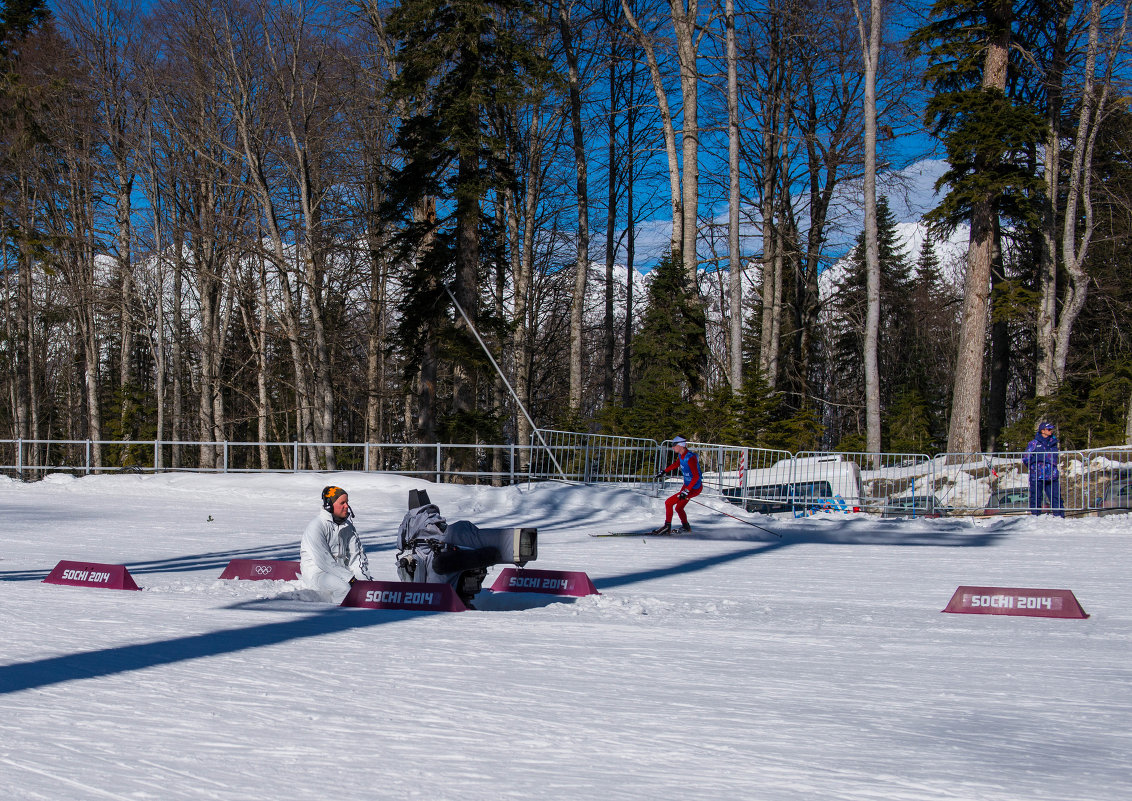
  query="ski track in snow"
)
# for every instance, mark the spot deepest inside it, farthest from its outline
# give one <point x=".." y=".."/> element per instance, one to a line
<point x="724" y="665"/>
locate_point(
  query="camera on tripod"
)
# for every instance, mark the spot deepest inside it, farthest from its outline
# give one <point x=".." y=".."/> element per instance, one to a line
<point x="459" y="553"/>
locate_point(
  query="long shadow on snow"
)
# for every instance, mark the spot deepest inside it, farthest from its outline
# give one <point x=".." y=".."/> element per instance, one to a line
<point x="558" y="510"/>
<point x="948" y="534"/>
<point x="110" y="661"/>
<point x="555" y="510"/>
<point x="690" y="566"/>
<point x="188" y="563"/>
<point x="126" y="658"/>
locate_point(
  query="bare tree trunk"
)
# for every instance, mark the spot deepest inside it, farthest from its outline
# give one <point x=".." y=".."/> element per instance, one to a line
<point x="178" y="429"/>
<point x="158" y="345"/>
<point x="210" y="402"/>
<point x="767" y="344"/>
<point x="256" y="329"/>
<point x="77" y="215"/>
<point x="963" y="433"/>
<point x="123" y="246"/>
<point x="1047" y="266"/>
<point x="522" y="250"/>
<point x="774" y="268"/>
<point x="407" y="452"/>
<point x="90" y="377"/>
<point x="1076" y="233"/>
<point x="298" y="84"/>
<point x="10" y="333"/>
<point x="581" y="193"/>
<point x="26" y="331"/>
<point x="375" y="354"/>
<point x="870" y="53"/>
<point x="630" y="272"/>
<point x="608" y="334"/>
<point x="669" y="131"/>
<point x="426" y="408"/>
<point x="522" y="225"/>
<point x="498" y="391"/>
<point x="245" y="102"/>
<point x="774" y="129"/>
<point x="262" y="398"/>
<point x="630" y="234"/>
<point x="999" y="378"/>
<point x="685" y="15"/>
<point x="314" y="269"/>
<point x="468" y="213"/>
<point x="427" y="377"/>
<point x="734" y="255"/>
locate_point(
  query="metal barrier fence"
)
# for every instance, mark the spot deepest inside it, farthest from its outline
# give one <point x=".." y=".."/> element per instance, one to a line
<point x="758" y="480"/>
<point x="745" y="476"/>
<point x="479" y="462"/>
<point x="1000" y="483"/>
<point x="1108" y="479"/>
<point x="592" y="458"/>
<point x="890" y="484"/>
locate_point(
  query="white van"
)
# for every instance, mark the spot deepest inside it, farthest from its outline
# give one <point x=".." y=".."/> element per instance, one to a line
<point x="828" y="482"/>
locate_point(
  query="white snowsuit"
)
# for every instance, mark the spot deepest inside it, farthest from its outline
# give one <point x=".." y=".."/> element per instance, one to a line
<point x="330" y="554"/>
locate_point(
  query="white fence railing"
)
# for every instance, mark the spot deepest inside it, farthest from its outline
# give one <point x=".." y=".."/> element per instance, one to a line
<point x="30" y="458"/>
<point x="592" y="458"/>
<point x="759" y="480"/>
<point x="889" y="484"/>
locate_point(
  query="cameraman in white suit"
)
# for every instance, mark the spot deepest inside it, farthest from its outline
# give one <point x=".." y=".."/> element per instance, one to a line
<point x="331" y="555"/>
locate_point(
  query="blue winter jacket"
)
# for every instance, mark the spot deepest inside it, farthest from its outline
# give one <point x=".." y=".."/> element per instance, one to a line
<point x="1041" y="458"/>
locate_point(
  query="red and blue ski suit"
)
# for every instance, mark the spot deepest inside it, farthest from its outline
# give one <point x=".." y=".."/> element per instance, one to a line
<point x="693" y="485"/>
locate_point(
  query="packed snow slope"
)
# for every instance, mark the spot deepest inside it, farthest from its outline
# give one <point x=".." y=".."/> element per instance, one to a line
<point x="731" y="664"/>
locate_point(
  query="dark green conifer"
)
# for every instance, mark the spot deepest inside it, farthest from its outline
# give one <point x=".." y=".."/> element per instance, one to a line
<point x="669" y="356"/>
<point x="463" y="66"/>
<point x="851" y="306"/>
<point x="990" y="136"/>
<point x="18" y="18"/>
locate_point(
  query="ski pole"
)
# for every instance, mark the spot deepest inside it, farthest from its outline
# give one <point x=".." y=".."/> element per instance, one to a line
<point x="733" y="517"/>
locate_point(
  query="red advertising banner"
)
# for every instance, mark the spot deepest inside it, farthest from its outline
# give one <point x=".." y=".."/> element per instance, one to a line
<point x="1024" y="602"/>
<point x="404" y="595"/>
<point x="261" y="570"/>
<point x="547" y="582"/>
<point x="92" y="574"/>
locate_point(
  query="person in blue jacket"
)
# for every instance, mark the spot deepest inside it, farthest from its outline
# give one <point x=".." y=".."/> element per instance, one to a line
<point x="689" y="466"/>
<point x="1041" y="459"/>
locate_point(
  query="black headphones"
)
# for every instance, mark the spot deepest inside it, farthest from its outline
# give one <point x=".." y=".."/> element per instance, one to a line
<point x="329" y="495"/>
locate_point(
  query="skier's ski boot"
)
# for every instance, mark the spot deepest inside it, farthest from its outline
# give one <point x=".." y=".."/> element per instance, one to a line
<point x="686" y="528"/>
<point x="665" y="529"/>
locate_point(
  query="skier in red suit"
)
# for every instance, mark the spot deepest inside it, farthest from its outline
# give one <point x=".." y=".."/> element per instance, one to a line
<point x="689" y="466"/>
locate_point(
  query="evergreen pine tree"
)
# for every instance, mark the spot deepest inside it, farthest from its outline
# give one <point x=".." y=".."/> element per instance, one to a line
<point x="756" y="408"/>
<point x="850" y="306"/>
<point x="990" y="136"/>
<point x="933" y="319"/>
<point x="18" y="18"/>
<point x="669" y="356"/>
<point x="463" y="67"/>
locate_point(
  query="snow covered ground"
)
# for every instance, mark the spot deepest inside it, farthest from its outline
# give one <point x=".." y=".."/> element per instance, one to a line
<point x="731" y="665"/>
